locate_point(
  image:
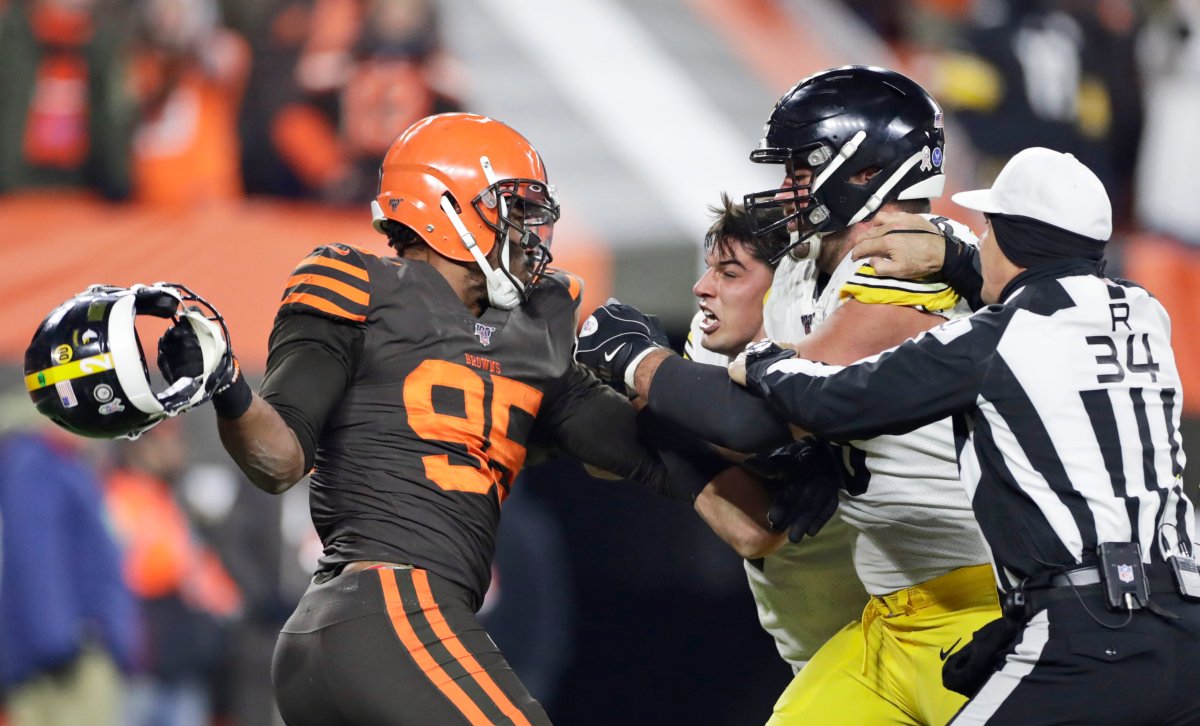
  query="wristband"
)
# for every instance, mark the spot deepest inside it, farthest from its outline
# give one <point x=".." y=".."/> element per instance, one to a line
<point x="234" y="398"/>
<point x="632" y="368"/>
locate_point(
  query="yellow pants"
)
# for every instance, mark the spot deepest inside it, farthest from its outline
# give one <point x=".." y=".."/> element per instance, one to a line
<point x="887" y="669"/>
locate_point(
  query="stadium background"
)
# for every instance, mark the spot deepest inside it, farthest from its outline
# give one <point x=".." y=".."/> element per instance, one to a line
<point x="227" y="141"/>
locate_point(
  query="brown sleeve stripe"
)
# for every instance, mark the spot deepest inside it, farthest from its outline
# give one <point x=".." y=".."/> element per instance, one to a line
<point x="352" y="270"/>
<point x="325" y="306"/>
<point x="353" y="294"/>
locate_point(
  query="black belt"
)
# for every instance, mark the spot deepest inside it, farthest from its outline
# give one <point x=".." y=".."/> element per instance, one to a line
<point x="1078" y="578"/>
<point x="1083" y="582"/>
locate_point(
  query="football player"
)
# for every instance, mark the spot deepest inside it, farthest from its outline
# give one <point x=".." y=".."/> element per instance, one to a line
<point x="853" y="142"/>
<point x="415" y="384"/>
<point x="822" y="590"/>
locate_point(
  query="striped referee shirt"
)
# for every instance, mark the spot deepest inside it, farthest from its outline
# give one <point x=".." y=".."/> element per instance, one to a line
<point x="1066" y="404"/>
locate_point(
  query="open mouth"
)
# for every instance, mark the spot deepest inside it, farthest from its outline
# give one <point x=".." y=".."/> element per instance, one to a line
<point x="710" y="322"/>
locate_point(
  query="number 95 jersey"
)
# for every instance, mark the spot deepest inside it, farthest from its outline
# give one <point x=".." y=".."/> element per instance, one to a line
<point x="417" y="443"/>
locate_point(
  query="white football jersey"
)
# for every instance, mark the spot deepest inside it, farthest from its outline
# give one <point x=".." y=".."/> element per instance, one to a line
<point x="816" y="581"/>
<point x="914" y="522"/>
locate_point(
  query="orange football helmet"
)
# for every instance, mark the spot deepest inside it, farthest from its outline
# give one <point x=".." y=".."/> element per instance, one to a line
<point x="465" y="183"/>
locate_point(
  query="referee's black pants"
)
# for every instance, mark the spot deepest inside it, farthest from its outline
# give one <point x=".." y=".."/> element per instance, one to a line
<point x="1067" y="668"/>
<point x="394" y="646"/>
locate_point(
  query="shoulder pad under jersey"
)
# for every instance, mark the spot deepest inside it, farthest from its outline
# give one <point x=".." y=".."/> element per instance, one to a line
<point x="333" y="282"/>
<point x="866" y="286"/>
<point x="572" y="282"/>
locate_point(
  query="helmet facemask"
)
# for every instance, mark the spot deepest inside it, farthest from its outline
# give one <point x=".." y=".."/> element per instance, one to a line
<point x="807" y="217"/>
<point x="525" y="212"/>
<point x="524" y="209"/>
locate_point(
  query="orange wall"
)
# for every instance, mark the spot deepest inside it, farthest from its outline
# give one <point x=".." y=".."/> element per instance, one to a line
<point x="238" y="257"/>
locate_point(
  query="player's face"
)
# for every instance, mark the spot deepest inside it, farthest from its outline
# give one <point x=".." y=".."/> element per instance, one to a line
<point x="794" y="176"/>
<point x="730" y="294"/>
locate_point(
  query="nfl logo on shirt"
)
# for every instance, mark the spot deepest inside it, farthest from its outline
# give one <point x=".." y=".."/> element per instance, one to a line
<point x="1125" y="573"/>
<point x="484" y="333"/>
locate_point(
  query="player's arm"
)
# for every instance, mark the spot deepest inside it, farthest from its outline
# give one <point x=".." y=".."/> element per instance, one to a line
<point x="309" y="366"/>
<point x="735" y="505"/>
<point x="615" y="342"/>
<point x="312" y="352"/>
<point x="665" y="457"/>
<point x="900" y="390"/>
<point x="597" y="425"/>
<point x="859" y="330"/>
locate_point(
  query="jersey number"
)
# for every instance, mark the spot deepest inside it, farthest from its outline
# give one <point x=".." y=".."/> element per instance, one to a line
<point x="482" y="428"/>
<point x="1112" y="361"/>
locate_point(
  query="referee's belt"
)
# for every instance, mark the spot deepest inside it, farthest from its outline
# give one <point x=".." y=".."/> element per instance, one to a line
<point x="1084" y="581"/>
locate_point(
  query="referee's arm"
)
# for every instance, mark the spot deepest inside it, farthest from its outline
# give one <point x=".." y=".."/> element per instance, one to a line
<point x="915" y="384"/>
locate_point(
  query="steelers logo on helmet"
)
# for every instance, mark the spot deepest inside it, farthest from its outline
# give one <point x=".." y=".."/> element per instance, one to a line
<point x="86" y="371"/>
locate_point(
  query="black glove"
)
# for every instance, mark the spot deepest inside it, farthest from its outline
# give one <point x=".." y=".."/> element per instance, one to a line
<point x="808" y="476"/>
<point x="179" y="353"/>
<point x="614" y="335"/>
<point x="760" y="356"/>
<point x="966" y="671"/>
<point x="179" y="356"/>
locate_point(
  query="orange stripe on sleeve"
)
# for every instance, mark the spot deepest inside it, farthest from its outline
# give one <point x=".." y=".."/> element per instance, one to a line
<point x="575" y="287"/>
<point x="353" y="294"/>
<point x="442" y="629"/>
<point x="345" y="267"/>
<point x="323" y="305"/>
<point x="408" y="636"/>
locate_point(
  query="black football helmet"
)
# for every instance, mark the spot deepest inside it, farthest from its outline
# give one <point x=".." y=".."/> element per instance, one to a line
<point x="86" y="371"/>
<point x="838" y="123"/>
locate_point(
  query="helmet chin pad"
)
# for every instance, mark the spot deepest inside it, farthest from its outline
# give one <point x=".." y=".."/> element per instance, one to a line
<point x="502" y="292"/>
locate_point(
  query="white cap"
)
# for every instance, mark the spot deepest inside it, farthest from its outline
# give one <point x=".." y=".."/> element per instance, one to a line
<point x="1050" y="187"/>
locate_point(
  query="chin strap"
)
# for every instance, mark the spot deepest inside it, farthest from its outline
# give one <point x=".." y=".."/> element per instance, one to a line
<point x="502" y="290"/>
<point x="502" y="239"/>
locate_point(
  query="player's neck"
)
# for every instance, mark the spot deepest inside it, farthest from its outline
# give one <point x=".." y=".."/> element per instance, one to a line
<point x="464" y="278"/>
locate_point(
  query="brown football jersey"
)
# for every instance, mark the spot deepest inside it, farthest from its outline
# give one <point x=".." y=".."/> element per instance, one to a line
<point x="420" y="451"/>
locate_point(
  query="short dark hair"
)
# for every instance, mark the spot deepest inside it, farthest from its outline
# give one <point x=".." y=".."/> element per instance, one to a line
<point x="913" y="206"/>
<point x="731" y="225"/>
<point x="400" y="236"/>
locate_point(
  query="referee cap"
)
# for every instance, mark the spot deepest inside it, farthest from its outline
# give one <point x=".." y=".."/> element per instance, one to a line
<point x="1049" y="187"/>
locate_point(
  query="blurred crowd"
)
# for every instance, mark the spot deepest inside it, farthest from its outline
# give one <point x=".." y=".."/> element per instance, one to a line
<point x="137" y="586"/>
<point x="186" y="102"/>
<point x="1115" y="82"/>
<point x="191" y="101"/>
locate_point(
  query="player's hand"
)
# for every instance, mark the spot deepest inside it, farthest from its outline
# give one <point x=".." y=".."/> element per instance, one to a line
<point x="179" y="354"/>
<point x="614" y="335"/>
<point x="808" y="477"/>
<point x="902" y="245"/>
